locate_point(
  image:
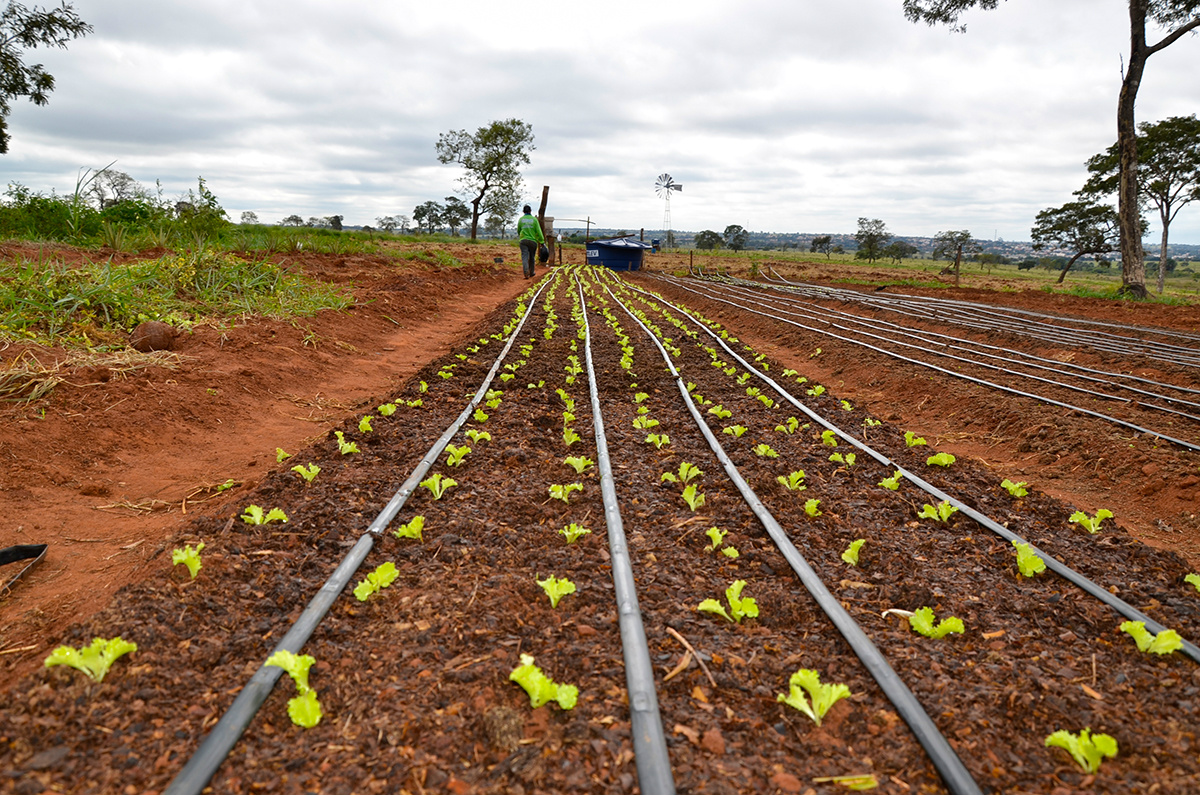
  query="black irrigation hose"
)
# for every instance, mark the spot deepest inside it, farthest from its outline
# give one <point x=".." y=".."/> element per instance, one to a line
<point x="946" y="371"/>
<point x="649" y="741"/>
<point x="955" y="775"/>
<point x="195" y="775"/>
<point x="1120" y="605"/>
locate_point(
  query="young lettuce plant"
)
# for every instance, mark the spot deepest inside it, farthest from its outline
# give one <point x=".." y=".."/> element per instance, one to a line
<point x="478" y="436"/>
<point x="1164" y="642"/>
<point x="455" y="455"/>
<point x="687" y="473"/>
<point x="912" y="440"/>
<point x="1090" y="523"/>
<point x="848" y="459"/>
<point x="573" y="532"/>
<point x="720" y="412"/>
<point x="659" y="440"/>
<point x="480" y="415"/>
<point x="735" y="431"/>
<point x="922" y="622"/>
<point x="812" y="508"/>
<point x="940" y="460"/>
<point x="188" y="556"/>
<point x="570" y="436"/>
<point x="255" y="515"/>
<point x="383" y="576"/>
<point x="645" y="423"/>
<point x="764" y="451"/>
<point x="438" y="485"/>
<point x="692" y="496"/>
<point x="892" y="483"/>
<point x="344" y="447"/>
<point x="717" y="536"/>
<point x="1028" y="561"/>
<point x="563" y="492"/>
<point x="640" y="396"/>
<point x="816" y="391"/>
<point x="304" y="709"/>
<point x="851" y="554"/>
<point x="829" y="438"/>
<point x="823" y="696"/>
<point x="556" y="588"/>
<point x="281" y="455"/>
<point x="738" y="608"/>
<point x="794" y="481"/>
<point x="540" y="688"/>
<point x="1016" y="490"/>
<point x="1193" y="580"/>
<point x="941" y="513"/>
<point x="412" y="529"/>
<point x="1087" y="749"/>
<point x="93" y="660"/>
<point x="364" y="425"/>
<point x="386" y="410"/>
<point x="788" y="427"/>
<point x="579" y="463"/>
<point x="307" y="472"/>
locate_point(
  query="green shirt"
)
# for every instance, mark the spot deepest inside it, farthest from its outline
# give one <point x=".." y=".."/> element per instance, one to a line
<point x="528" y="228"/>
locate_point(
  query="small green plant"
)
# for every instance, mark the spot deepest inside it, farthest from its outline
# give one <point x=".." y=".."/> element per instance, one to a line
<point x="478" y="436"/>
<point x="344" y="447"/>
<point x="829" y="438"/>
<point x="717" y="536"/>
<point x="871" y="422"/>
<point x="848" y="459"/>
<point x="659" y="440"/>
<point x="730" y="552"/>
<point x="455" y="455"/>
<point x="720" y="412"/>
<point x="846" y="406"/>
<point x="281" y="455"/>
<point x="307" y="472"/>
<point x="579" y="463"/>
<point x="1028" y="561"/>
<point x="823" y="696"/>
<point x="412" y="529"/>
<point x="255" y="515"/>
<point x="93" y="660"/>
<point x="570" y="436"/>
<point x="816" y="391"/>
<point x="941" y="513"/>
<point x="538" y="385"/>
<point x="738" y="608"/>
<point x="812" y="508"/>
<point x="304" y="709"/>
<point x="645" y="423"/>
<point x="573" y="532"/>
<point x="414" y="404"/>
<point x="540" y="688"/>
<point x="563" y="492"/>
<point x="1193" y="580"/>
<point x="438" y="485"/>
<point x="787" y="373"/>
<point x="892" y="483"/>
<point x="693" y="497"/>
<point x="1017" y="490"/>
<point x="764" y="451"/>
<point x="940" y="460"/>
<point x="188" y="556"/>
<point x="687" y="473"/>
<point x="556" y="589"/>
<point x="364" y="425"/>
<point x="851" y="554"/>
<point x="922" y="622"/>
<point x="386" y="410"/>
<point x="640" y="396"/>
<point x="383" y="576"/>
<point x="568" y="418"/>
<point x="1087" y="749"/>
<point x="1164" y="642"/>
<point x="735" y="431"/>
<point x="423" y="387"/>
<point x="912" y="440"/>
<point x="788" y="427"/>
<point x="1090" y="523"/>
<point x="794" y="481"/>
<point x="753" y="391"/>
<point x="480" y="415"/>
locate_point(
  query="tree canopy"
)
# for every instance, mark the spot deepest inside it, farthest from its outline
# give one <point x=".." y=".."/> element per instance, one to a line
<point x="492" y="157"/>
<point x="1082" y="227"/>
<point x="708" y="240"/>
<point x="872" y="236"/>
<point x="23" y="29"/>
<point x="736" y="237"/>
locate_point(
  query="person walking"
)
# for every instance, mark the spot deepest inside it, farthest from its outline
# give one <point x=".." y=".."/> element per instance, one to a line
<point x="529" y="231"/>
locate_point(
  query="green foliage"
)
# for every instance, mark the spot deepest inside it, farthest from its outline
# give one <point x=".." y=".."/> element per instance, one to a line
<point x="304" y="709"/>
<point x="1087" y="749"/>
<point x="579" y="463"/>
<point x="720" y="412"/>
<point x="823" y="696"/>
<point x="659" y="440"/>
<point x="815" y="391"/>
<point x="829" y="438"/>
<point x="563" y="492"/>
<point x="912" y="440"/>
<point x="693" y="497"/>
<point x="1164" y="642"/>
<point x="687" y="473"/>
<point x="645" y="423"/>
<point x="717" y="536"/>
<point x="412" y="529"/>
<point x="383" y="576"/>
<point x="570" y="437"/>
<point x="573" y="532"/>
<point x="281" y="455"/>
<point x="735" y="431"/>
<point x="478" y="436"/>
<point x="764" y="451"/>
<point x="540" y="688"/>
<point x="387" y="409"/>
<point x="848" y="459"/>
<point x="438" y="485"/>
<point x="455" y="455"/>
<point x="1028" y="561"/>
<point x="307" y="472"/>
<point x="1193" y="580"/>
<point x="1017" y="490"/>
<point x="812" y="508"/>
<point x="491" y="159"/>
<point x="892" y="483"/>
<point x="556" y="588"/>
<point x="188" y="556"/>
<point x="364" y="425"/>
<point x="255" y="515"/>
<point x="922" y="622"/>
<point x="1090" y="523"/>
<point x="794" y="481"/>
<point x="480" y="415"/>
<point x="344" y="447"/>
<point x="941" y="460"/>
<point x="851" y="554"/>
<point x="941" y="513"/>
<point x="730" y="552"/>
<point x="738" y="608"/>
<point x="93" y="660"/>
<point x="788" y="427"/>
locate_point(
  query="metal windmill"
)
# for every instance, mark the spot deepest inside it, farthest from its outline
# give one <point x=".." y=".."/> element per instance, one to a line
<point x="663" y="186"/>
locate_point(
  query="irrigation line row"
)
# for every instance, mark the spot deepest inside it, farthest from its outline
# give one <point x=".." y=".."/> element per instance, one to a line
<point x="955" y="775"/>
<point x="649" y="740"/>
<point x="1122" y="607"/>
<point x="213" y="750"/>
<point x="982" y="382"/>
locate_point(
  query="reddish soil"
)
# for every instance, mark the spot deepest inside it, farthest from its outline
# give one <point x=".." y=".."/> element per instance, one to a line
<point x="414" y="682"/>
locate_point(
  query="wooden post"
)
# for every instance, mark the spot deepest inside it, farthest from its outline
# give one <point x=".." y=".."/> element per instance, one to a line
<point x="957" y="263"/>
<point x="541" y="216"/>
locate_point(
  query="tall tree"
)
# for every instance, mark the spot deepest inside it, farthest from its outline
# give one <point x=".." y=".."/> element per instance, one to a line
<point x="454" y="212"/>
<point x="492" y="158"/>
<point x="822" y="244"/>
<point x="1168" y="172"/>
<point x="1081" y="227"/>
<point x="708" y="240"/>
<point x="736" y="237"/>
<point x="955" y="243"/>
<point x="24" y="28"/>
<point x="1178" y="17"/>
<point x="428" y="216"/>
<point x="872" y="236"/>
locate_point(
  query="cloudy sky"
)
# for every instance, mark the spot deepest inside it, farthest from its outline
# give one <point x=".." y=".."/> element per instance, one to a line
<point x="789" y="115"/>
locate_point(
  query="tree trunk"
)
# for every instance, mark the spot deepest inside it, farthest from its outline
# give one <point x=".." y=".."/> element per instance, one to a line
<point x="1133" y="265"/>
<point x="957" y="263"/>
<point x="1162" y="253"/>
<point x="1067" y="267"/>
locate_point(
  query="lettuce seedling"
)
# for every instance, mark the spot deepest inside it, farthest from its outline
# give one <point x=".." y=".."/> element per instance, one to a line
<point x="93" y="660"/>
<point x="568" y="418"/>
<point x="387" y="409"/>
<point x="848" y="459"/>
<point x="823" y="696"/>
<point x="563" y="492"/>
<point x="753" y="391"/>
<point x="794" y="481"/>
<point x="307" y="472"/>
<point x="687" y="473"/>
<point x="438" y="485"/>
<point x="383" y="576"/>
<point x="364" y="425"/>
<point x="811" y="507"/>
<point x="871" y="422"/>
<point x="788" y="427"/>
<point x="720" y="412"/>
<point x="1090" y="523"/>
<point x="412" y="529"/>
<point x="765" y="451"/>
<point x="423" y="387"/>
<point x="816" y="391"/>
<point x="912" y="440"/>
<point x="941" y="513"/>
<point x="188" y="556"/>
<point x="941" y="460"/>
<point x="480" y="415"/>
<point x="787" y="373"/>
<point x="494" y="403"/>
<point x="478" y="436"/>
<point x="640" y="396"/>
<point x="1017" y="490"/>
<point x="507" y="377"/>
<point x="659" y="440"/>
<point x="738" y="608"/>
<point x="255" y="515"/>
<point x="344" y="447"/>
<point x="455" y="455"/>
<point x="860" y="782"/>
<point x="556" y="589"/>
<point x="579" y="463"/>
<point x="304" y="709"/>
<point x="570" y="436"/>
<point x="717" y="536"/>
<point x="692" y="497"/>
<point x="829" y="438"/>
<point x="1164" y="642"/>
<point x="893" y="482"/>
<point x="414" y="404"/>
<point x="766" y="401"/>
<point x="281" y="455"/>
<point x="445" y="374"/>
<point x="1193" y="580"/>
<point x="1028" y="561"/>
<point x="541" y="688"/>
<point x="573" y="532"/>
<point x="735" y="431"/>
<point x="538" y="385"/>
<point x="922" y="622"/>
<point x="1087" y="749"/>
<point x="644" y="423"/>
<point x="851" y="554"/>
<point x="846" y="406"/>
<point x="730" y="552"/>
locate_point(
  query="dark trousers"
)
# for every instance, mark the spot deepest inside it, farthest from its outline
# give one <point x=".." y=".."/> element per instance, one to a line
<point x="528" y="257"/>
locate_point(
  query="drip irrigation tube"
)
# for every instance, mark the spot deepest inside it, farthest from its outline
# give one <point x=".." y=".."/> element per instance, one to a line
<point x="972" y="379"/>
<point x="955" y="775"/>
<point x="1121" y="606"/>
<point x="649" y="741"/>
<point x="195" y="775"/>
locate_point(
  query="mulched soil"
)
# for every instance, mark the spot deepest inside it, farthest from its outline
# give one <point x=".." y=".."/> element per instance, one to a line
<point x="414" y="682"/>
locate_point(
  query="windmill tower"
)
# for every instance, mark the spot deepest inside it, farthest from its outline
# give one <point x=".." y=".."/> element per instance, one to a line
<point x="663" y="186"/>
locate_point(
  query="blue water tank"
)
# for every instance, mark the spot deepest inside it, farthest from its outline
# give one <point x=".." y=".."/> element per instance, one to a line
<point x="618" y="254"/>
